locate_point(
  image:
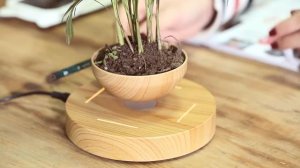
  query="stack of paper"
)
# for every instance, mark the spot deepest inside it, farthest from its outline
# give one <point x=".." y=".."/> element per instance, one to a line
<point x="243" y="39"/>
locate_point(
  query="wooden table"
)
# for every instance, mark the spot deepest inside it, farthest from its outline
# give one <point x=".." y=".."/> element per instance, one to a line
<point x="258" y="106"/>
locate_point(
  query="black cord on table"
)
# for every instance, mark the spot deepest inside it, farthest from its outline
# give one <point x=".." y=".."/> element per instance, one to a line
<point x="57" y="95"/>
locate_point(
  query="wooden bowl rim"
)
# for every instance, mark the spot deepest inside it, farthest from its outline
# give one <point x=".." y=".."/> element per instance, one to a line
<point x="133" y="76"/>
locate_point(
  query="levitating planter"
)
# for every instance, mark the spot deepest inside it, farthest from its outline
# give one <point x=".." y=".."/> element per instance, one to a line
<point x="180" y="121"/>
<point x="139" y="88"/>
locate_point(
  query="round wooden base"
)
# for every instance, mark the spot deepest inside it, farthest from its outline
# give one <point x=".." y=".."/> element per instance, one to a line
<point x="178" y="124"/>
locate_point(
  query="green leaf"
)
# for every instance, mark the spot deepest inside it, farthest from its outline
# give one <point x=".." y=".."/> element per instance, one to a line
<point x="98" y="62"/>
<point x="69" y="24"/>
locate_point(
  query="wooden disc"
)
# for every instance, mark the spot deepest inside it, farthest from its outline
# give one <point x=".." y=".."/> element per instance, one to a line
<point x="179" y="124"/>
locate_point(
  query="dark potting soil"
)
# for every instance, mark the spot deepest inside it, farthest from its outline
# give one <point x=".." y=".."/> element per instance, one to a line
<point x="121" y="60"/>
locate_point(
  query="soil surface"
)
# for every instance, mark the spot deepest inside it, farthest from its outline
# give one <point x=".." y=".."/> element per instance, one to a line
<point x="121" y="60"/>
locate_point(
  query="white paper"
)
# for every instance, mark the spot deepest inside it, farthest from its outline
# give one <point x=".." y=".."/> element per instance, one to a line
<point x="243" y="39"/>
<point x="45" y="18"/>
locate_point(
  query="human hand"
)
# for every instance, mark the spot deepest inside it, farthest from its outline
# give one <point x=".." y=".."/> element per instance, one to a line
<point x="178" y="18"/>
<point x="286" y="35"/>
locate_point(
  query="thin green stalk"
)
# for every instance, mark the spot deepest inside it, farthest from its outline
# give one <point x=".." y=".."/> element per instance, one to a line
<point x="120" y="35"/>
<point x="158" y="37"/>
<point x="69" y="20"/>
<point x="69" y="14"/>
<point x="131" y="18"/>
<point x="126" y="7"/>
<point x="137" y="27"/>
<point x="120" y="29"/>
<point x="149" y="10"/>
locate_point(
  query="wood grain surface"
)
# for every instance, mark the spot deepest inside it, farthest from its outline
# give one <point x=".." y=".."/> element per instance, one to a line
<point x="2" y="3"/>
<point x="173" y="126"/>
<point x="258" y="107"/>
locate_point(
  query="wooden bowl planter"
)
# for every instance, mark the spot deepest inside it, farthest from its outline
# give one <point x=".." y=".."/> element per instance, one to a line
<point x="139" y="88"/>
<point x="182" y="121"/>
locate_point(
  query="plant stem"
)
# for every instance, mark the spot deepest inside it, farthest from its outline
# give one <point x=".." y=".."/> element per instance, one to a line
<point x="70" y="13"/>
<point x="131" y="18"/>
<point x="139" y="38"/>
<point x="120" y="29"/>
<point x="136" y="26"/>
<point x="120" y="35"/>
<point x="149" y="7"/>
<point x="158" y="40"/>
<point x="126" y="7"/>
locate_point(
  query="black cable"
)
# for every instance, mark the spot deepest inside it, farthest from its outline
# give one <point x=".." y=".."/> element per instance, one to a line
<point x="57" y="95"/>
